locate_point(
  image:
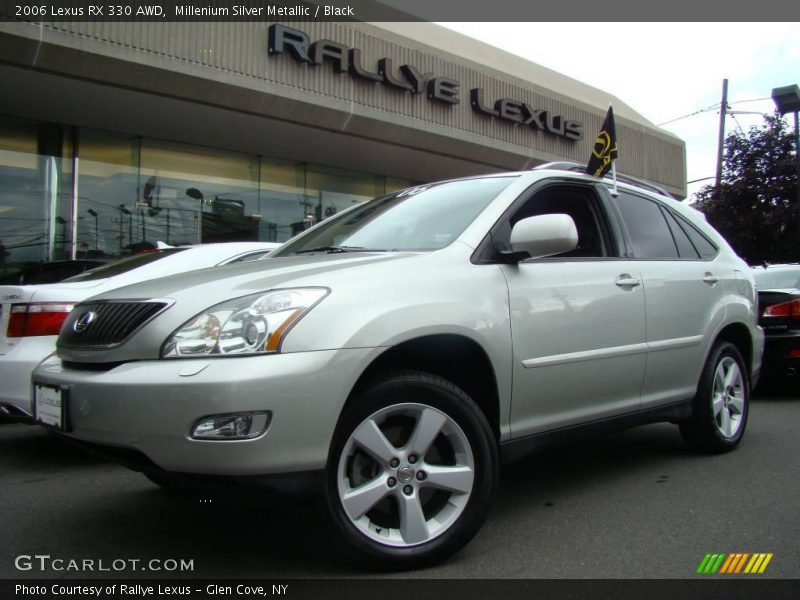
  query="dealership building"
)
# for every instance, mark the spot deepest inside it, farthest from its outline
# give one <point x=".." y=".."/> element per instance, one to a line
<point x="116" y="135"/>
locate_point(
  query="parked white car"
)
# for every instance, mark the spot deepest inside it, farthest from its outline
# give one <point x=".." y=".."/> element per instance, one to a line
<point x="31" y="315"/>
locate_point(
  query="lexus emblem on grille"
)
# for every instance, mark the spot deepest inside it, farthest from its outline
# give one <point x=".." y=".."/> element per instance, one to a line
<point x="83" y="321"/>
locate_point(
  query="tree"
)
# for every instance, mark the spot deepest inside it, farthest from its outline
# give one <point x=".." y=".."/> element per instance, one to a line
<point x="755" y="207"/>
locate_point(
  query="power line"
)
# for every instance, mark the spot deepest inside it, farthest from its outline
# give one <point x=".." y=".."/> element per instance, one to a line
<point x="712" y="107"/>
<point x="751" y="100"/>
<point x="697" y="112"/>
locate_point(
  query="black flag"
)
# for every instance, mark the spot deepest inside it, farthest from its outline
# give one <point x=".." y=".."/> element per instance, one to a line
<point x="605" y="148"/>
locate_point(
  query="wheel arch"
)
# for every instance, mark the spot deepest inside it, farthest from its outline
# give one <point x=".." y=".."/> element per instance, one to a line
<point x="738" y="334"/>
<point x="456" y="358"/>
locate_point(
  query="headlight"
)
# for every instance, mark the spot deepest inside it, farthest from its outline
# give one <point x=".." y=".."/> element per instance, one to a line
<point x="250" y="325"/>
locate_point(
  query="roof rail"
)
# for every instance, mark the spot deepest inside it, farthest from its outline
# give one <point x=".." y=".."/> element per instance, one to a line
<point x="579" y="168"/>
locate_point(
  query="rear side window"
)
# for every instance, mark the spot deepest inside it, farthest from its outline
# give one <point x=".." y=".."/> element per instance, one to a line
<point x="685" y="246"/>
<point x="700" y="241"/>
<point x="650" y="235"/>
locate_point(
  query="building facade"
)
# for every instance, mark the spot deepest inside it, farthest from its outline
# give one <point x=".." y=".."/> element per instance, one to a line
<point x="114" y="136"/>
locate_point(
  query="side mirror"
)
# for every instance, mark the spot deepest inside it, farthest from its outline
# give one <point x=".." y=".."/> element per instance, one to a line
<point x="544" y="235"/>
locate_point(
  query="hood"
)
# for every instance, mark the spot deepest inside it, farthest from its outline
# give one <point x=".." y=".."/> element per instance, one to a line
<point x="206" y="287"/>
<point x="191" y="293"/>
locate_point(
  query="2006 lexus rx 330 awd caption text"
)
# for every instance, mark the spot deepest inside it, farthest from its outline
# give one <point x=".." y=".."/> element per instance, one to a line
<point x="398" y="351"/>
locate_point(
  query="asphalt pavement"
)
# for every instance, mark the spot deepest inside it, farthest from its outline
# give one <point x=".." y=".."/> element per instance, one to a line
<point x="635" y="505"/>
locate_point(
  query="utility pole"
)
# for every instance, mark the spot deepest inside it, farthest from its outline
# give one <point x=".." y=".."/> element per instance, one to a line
<point x="797" y="156"/>
<point x="787" y="100"/>
<point x="722" y="112"/>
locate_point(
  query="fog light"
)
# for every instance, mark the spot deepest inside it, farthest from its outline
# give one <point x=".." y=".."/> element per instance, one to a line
<point x="237" y="426"/>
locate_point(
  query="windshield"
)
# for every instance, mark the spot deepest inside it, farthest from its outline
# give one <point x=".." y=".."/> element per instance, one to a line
<point x="425" y="217"/>
<point x="777" y="280"/>
<point x="124" y="265"/>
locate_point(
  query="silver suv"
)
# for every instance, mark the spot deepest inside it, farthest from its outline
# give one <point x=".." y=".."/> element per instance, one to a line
<point x="397" y="352"/>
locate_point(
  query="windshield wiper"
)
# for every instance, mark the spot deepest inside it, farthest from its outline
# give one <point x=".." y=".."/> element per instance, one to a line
<point x="335" y="249"/>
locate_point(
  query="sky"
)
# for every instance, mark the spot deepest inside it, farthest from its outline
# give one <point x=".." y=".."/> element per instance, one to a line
<point x="668" y="70"/>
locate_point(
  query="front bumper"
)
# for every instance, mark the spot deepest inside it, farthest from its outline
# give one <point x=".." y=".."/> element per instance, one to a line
<point x="150" y="407"/>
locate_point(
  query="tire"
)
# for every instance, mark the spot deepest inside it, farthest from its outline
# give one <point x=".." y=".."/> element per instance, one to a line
<point x="721" y="405"/>
<point x="412" y="472"/>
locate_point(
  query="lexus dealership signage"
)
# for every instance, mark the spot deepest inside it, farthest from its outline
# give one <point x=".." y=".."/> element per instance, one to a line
<point x="408" y="78"/>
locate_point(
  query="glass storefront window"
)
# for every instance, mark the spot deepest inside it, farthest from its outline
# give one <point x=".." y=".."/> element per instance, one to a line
<point x="189" y="195"/>
<point x="329" y="191"/>
<point x="35" y="194"/>
<point x="132" y="193"/>
<point x="108" y="183"/>
<point x="395" y="185"/>
<point x="283" y="206"/>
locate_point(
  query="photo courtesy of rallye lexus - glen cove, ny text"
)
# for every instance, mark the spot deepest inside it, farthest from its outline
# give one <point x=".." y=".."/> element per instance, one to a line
<point x="393" y="352"/>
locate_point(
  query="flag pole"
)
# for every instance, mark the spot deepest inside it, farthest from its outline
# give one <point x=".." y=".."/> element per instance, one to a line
<point x="614" y="191"/>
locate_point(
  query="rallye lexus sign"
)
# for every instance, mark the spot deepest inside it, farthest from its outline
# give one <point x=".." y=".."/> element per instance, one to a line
<point x="407" y="78"/>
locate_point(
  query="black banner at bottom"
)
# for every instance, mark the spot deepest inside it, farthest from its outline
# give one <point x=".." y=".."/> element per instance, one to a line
<point x="398" y="588"/>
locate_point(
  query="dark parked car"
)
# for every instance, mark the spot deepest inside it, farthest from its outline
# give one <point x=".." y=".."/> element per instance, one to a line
<point x="779" y="315"/>
<point x="50" y="272"/>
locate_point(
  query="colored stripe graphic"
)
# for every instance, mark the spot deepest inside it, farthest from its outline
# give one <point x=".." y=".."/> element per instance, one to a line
<point x="717" y="564"/>
<point x="766" y="562"/>
<point x="758" y="563"/>
<point x="702" y="567"/>
<point x="733" y="563"/>
<point x="711" y="563"/>
<point x="741" y="563"/>
<point x="732" y="559"/>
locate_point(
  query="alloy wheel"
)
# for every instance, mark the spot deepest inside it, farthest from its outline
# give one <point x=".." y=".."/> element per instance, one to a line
<point x="728" y="397"/>
<point x="405" y="474"/>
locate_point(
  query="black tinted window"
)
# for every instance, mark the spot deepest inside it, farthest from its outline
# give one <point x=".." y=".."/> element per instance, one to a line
<point x="124" y="265"/>
<point x="701" y="242"/>
<point x="649" y="233"/>
<point x="685" y="246"/>
<point x="581" y="205"/>
<point x="56" y="272"/>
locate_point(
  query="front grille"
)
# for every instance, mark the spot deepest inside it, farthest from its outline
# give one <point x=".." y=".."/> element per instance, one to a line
<point x="110" y="323"/>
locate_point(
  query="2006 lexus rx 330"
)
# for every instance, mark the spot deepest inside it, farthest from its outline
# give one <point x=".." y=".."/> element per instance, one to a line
<point x="396" y="352"/>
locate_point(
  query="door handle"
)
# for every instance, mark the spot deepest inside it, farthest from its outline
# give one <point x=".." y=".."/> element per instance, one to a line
<point x="626" y="280"/>
<point x="710" y="279"/>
